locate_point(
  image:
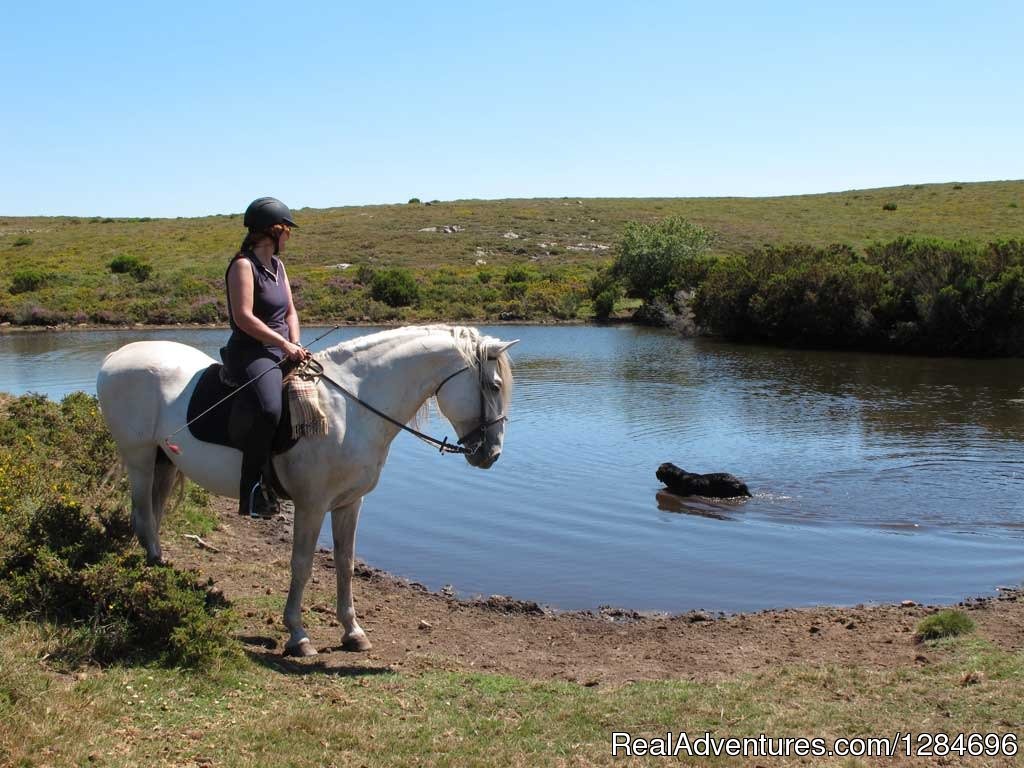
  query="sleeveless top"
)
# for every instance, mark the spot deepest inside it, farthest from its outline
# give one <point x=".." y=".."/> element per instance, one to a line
<point x="269" y="304"/>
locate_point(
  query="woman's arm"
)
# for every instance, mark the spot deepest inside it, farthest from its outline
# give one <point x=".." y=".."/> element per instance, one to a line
<point x="240" y="290"/>
<point x="292" y="318"/>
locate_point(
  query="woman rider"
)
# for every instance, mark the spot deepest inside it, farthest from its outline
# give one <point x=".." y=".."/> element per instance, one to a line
<point x="264" y="331"/>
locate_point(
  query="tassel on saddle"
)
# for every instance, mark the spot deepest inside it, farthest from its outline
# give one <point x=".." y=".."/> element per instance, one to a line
<point x="302" y="385"/>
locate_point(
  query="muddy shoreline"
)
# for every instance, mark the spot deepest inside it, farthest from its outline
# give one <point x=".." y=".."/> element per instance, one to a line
<point x="413" y="628"/>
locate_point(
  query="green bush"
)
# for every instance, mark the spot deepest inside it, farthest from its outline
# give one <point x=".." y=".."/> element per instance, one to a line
<point x="29" y="279"/>
<point x="604" y="304"/>
<point x="395" y="287"/>
<point x="414" y="201"/>
<point x="517" y="273"/>
<point x="889" y="207"/>
<point x="912" y="294"/>
<point x="365" y="273"/>
<point x="67" y="555"/>
<point x="948" y="623"/>
<point x="21" y="242"/>
<point x="722" y="302"/>
<point x="131" y="265"/>
<point x="656" y="260"/>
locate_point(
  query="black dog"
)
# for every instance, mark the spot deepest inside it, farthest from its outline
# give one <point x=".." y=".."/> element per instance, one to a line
<point x="718" y="485"/>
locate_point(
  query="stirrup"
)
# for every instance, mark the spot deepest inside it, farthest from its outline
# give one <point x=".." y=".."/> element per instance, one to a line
<point x="263" y="503"/>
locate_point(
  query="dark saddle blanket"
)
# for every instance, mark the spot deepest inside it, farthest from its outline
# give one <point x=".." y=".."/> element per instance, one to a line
<point x="229" y="423"/>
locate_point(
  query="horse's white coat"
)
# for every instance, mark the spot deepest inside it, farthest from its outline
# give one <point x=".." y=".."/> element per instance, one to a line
<point x="144" y="389"/>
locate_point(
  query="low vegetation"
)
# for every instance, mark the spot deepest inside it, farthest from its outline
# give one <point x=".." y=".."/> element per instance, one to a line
<point x="68" y="562"/>
<point x="470" y="260"/>
<point x="269" y="713"/>
<point x="909" y="294"/>
<point x="947" y="623"/>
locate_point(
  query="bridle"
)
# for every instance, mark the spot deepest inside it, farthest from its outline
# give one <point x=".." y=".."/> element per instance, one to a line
<point x="473" y="439"/>
<point x="467" y="444"/>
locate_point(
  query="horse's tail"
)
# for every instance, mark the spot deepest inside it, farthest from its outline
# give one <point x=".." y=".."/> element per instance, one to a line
<point x="112" y="475"/>
<point x="164" y="465"/>
<point x="179" y="485"/>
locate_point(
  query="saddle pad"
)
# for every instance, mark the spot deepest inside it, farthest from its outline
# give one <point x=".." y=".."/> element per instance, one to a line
<point x="228" y="423"/>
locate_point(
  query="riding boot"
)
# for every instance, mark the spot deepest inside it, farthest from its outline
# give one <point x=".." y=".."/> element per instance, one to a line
<point x="253" y="498"/>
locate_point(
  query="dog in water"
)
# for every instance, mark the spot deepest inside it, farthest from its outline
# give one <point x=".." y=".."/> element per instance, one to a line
<point x="717" y="485"/>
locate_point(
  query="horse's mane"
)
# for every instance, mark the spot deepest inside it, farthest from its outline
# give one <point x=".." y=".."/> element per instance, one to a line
<point x="467" y="341"/>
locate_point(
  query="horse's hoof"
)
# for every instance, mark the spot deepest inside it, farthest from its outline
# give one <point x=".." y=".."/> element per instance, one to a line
<point x="356" y="643"/>
<point x="304" y="649"/>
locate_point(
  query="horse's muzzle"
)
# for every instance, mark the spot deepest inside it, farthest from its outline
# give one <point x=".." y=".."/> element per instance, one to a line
<point x="483" y="458"/>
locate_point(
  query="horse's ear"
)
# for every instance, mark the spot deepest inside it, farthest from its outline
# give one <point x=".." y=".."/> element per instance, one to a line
<point x="501" y="346"/>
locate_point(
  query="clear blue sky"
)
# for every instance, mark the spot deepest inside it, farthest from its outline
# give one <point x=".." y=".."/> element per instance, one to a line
<point x="185" y="108"/>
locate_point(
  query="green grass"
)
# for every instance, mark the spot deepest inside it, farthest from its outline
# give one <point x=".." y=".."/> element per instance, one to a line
<point x="948" y="623"/>
<point x="264" y="713"/>
<point x="193" y="514"/>
<point x="558" y="243"/>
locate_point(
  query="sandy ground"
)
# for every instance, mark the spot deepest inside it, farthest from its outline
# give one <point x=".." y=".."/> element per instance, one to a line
<point x="414" y="629"/>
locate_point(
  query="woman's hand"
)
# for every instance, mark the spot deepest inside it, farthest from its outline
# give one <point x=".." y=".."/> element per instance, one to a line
<point x="294" y="352"/>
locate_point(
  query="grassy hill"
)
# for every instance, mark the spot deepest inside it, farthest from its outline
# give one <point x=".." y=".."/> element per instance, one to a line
<point x="57" y="268"/>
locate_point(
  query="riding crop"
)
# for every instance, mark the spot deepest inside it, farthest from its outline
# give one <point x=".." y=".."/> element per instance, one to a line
<point x="176" y="449"/>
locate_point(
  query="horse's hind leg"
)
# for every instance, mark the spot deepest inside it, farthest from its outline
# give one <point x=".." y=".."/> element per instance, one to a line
<point x="343" y="526"/>
<point x="306" y="530"/>
<point x="141" y="469"/>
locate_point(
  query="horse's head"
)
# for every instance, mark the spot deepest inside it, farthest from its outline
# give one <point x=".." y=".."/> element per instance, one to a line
<point x="477" y="399"/>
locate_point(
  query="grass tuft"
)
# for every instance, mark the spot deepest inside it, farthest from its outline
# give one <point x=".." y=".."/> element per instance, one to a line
<point x="948" y="623"/>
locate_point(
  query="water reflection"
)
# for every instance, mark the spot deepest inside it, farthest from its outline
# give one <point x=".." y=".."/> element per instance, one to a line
<point x="670" y="502"/>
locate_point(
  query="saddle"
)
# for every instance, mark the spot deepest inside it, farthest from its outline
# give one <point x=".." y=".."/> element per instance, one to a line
<point x="229" y="423"/>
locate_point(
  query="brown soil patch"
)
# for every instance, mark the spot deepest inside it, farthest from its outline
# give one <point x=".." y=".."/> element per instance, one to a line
<point x="414" y="629"/>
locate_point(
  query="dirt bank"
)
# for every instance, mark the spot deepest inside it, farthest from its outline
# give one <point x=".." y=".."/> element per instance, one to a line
<point x="413" y="629"/>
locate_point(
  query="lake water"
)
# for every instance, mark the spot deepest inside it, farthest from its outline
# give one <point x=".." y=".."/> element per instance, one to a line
<point x="875" y="477"/>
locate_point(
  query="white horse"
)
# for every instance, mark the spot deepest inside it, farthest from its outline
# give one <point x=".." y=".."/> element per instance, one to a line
<point x="144" y="390"/>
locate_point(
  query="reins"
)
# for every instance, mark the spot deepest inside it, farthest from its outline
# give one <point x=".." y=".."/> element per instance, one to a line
<point x="443" y="445"/>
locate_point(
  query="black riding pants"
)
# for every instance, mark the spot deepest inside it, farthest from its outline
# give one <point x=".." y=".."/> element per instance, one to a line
<point x="263" y="397"/>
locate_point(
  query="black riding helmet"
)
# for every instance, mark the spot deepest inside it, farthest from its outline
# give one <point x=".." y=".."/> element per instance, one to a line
<point x="262" y="214"/>
<point x="265" y="212"/>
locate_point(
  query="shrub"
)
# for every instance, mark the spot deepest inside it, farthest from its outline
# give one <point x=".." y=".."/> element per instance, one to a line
<point x="395" y="287"/>
<point x="131" y="265"/>
<point x="604" y="304"/>
<point x="656" y="260"/>
<point x="21" y="242"/>
<point x="33" y="314"/>
<point x="722" y="302"/>
<point x="108" y="317"/>
<point x="29" y="279"/>
<point x="72" y="563"/>
<point x="889" y="207"/>
<point x="205" y="311"/>
<point x="365" y="273"/>
<point x="484" y="276"/>
<point x="827" y="300"/>
<point x="414" y="201"/>
<point x="948" y="623"/>
<point x="517" y="273"/>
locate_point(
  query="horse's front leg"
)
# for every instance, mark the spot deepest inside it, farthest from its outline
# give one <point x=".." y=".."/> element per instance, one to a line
<point x="308" y="520"/>
<point x="343" y="525"/>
